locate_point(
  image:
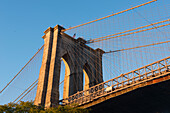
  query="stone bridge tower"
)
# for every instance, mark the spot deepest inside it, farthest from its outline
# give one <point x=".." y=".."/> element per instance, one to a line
<point x="77" y="57"/>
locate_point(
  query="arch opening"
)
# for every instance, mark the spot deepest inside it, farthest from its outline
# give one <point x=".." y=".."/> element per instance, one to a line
<point x="86" y="76"/>
<point x="64" y="77"/>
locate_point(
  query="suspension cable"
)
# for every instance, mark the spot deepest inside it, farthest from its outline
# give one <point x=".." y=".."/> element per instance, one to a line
<point x="29" y="90"/>
<point x="25" y="90"/>
<point x="21" y="69"/>
<point x="110" y="15"/>
<point x="130" y="33"/>
<point x="93" y="40"/>
<point x="138" y="47"/>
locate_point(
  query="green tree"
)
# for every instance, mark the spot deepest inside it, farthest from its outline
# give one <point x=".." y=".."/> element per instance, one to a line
<point x="29" y="107"/>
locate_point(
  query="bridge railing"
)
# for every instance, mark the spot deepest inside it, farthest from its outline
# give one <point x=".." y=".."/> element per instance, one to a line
<point x="118" y="83"/>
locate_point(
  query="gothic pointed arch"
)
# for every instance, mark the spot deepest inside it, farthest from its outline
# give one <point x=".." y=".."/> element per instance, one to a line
<point x="87" y="72"/>
<point x="67" y="61"/>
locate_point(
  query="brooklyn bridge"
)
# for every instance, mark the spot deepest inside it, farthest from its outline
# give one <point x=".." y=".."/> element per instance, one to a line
<point x="117" y="63"/>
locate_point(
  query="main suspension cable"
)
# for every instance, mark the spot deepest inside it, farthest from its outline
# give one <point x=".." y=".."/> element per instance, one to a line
<point x="138" y="47"/>
<point x="21" y="69"/>
<point x="129" y="33"/>
<point x="105" y="37"/>
<point x="110" y="15"/>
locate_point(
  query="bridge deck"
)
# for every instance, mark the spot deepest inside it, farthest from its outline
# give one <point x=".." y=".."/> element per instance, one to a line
<point x="149" y="97"/>
<point x="142" y="77"/>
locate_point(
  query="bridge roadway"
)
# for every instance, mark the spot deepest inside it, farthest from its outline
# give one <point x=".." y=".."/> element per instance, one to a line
<point x="148" y="97"/>
<point x="144" y="90"/>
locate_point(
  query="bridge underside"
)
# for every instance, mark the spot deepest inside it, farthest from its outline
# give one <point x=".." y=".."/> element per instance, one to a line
<point x="153" y="98"/>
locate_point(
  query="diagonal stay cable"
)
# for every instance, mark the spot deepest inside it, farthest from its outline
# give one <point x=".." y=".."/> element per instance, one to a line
<point x="111" y="15"/>
<point x="132" y="33"/>
<point x="138" y="47"/>
<point x="21" y="69"/>
<point x="25" y="91"/>
<point x="105" y="37"/>
<point x="147" y="21"/>
<point x="29" y="90"/>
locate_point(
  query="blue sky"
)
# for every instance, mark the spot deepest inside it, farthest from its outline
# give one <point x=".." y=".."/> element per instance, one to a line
<point x="22" y="23"/>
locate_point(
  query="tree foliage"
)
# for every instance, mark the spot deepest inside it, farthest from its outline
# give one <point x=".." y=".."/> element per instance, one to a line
<point x="29" y="107"/>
